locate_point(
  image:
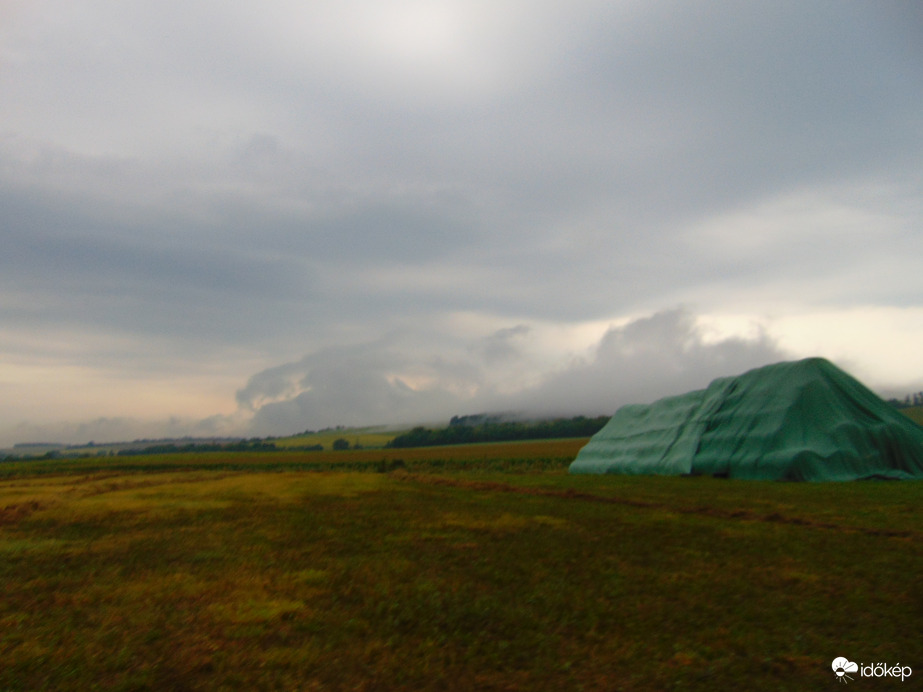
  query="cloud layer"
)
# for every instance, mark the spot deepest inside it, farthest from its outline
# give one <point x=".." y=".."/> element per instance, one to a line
<point x="666" y="353"/>
<point x="195" y="194"/>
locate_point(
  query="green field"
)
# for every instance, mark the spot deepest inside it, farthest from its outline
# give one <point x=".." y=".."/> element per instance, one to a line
<point x="914" y="413"/>
<point x="483" y="567"/>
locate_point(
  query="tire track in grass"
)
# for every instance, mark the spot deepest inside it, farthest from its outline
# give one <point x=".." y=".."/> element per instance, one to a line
<point x="738" y="514"/>
<point x="13" y="513"/>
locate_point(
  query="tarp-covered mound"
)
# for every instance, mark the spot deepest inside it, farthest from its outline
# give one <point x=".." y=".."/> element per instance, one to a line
<point x="801" y="421"/>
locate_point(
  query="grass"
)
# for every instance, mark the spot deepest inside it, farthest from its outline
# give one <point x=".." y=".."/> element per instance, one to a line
<point x="914" y="413"/>
<point x="482" y="567"/>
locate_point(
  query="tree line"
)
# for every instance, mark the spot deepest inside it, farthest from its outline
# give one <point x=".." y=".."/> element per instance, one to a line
<point x="908" y="401"/>
<point x="252" y="445"/>
<point x="461" y="433"/>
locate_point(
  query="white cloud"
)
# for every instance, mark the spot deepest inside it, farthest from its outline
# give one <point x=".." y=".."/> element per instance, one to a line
<point x="647" y="358"/>
<point x="878" y="344"/>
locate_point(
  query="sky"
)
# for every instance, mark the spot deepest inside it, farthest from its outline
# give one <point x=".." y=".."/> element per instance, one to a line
<point x="257" y="218"/>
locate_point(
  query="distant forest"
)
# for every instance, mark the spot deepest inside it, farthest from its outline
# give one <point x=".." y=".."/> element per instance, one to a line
<point x="908" y="401"/>
<point x="253" y="445"/>
<point x="469" y="429"/>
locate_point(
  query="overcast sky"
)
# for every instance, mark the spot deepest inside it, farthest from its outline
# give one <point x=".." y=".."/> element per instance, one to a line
<point x="265" y="217"/>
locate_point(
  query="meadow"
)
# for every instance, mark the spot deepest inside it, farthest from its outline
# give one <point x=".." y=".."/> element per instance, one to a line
<point x="478" y="567"/>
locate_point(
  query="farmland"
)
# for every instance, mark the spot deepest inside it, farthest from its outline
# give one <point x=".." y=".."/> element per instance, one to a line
<point x="363" y="437"/>
<point x="470" y="567"/>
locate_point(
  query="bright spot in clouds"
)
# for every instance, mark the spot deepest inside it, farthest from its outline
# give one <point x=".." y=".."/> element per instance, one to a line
<point x="419" y="31"/>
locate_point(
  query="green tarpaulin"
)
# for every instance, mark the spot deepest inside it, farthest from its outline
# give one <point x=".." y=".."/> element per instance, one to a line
<point x="801" y="421"/>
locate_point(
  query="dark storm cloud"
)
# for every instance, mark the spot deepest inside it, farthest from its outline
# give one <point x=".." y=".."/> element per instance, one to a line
<point x="621" y="126"/>
<point x="67" y="267"/>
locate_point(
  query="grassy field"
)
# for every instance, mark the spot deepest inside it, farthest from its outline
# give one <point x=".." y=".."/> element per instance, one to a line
<point x="914" y="413"/>
<point x="479" y="567"/>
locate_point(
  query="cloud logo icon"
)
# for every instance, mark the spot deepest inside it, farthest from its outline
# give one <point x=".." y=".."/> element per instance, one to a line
<point x="841" y="666"/>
